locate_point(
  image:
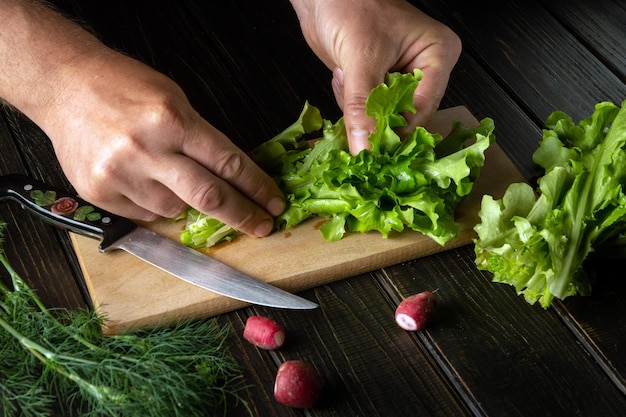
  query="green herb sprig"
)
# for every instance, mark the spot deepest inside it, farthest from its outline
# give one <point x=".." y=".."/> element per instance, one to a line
<point x="61" y="359"/>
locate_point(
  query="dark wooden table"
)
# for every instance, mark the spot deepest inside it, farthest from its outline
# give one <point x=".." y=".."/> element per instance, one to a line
<point x="247" y="69"/>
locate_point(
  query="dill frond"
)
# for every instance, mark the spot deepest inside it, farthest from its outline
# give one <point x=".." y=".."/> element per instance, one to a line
<point x="61" y="359"/>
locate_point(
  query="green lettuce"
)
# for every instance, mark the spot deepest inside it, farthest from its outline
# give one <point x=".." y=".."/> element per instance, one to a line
<point x="415" y="182"/>
<point x="538" y="241"/>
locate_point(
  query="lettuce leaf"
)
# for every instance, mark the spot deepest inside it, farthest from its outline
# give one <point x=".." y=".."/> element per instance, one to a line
<point x="538" y="242"/>
<point x="415" y="182"/>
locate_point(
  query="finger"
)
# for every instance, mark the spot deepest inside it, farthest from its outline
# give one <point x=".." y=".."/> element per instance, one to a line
<point x="226" y="161"/>
<point x="152" y="200"/>
<point x="134" y="196"/>
<point x="129" y="209"/>
<point x="356" y="87"/>
<point x="436" y="68"/>
<point x="212" y="195"/>
<point x="185" y="183"/>
<point x="427" y="97"/>
<point x="217" y="178"/>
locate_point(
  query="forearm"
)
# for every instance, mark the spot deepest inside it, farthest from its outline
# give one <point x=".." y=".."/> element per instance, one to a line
<point x="39" y="49"/>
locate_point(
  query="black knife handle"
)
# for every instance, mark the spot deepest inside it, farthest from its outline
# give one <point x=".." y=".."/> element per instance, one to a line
<point x="63" y="210"/>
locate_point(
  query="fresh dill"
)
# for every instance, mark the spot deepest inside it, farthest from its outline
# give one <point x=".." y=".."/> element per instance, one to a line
<point x="60" y="359"/>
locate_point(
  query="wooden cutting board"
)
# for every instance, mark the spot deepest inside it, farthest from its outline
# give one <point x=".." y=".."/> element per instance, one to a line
<point x="132" y="293"/>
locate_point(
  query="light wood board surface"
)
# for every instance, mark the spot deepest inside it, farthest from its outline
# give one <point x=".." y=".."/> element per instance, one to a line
<point x="132" y="293"/>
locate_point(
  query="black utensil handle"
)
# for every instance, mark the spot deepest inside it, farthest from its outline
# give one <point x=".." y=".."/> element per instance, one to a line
<point x="63" y="210"/>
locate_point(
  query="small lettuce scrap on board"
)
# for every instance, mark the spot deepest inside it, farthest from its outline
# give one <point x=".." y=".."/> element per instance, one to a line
<point x="538" y="241"/>
<point x="416" y="182"/>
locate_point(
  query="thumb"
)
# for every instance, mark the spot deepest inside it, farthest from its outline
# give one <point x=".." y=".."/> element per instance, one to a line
<point x="351" y="91"/>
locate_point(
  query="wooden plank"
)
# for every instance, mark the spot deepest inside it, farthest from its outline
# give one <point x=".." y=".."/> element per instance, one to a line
<point x="528" y="51"/>
<point x="294" y="259"/>
<point x="370" y="365"/>
<point x="598" y="320"/>
<point x="599" y="25"/>
<point x="501" y="350"/>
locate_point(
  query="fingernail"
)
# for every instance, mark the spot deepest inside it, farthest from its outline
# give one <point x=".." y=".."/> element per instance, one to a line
<point x="264" y="228"/>
<point x="275" y="206"/>
<point x="359" y="140"/>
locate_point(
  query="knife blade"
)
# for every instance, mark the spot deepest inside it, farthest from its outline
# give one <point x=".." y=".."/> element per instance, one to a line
<point x="72" y="213"/>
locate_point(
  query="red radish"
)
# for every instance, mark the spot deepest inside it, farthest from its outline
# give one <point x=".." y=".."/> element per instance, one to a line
<point x="298" y="384"/>
<point x="415" y="311"/>
<point x="264" y="332"/>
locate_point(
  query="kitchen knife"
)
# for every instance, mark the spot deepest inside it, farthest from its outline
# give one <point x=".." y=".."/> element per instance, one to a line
<point x="76" y="215"/>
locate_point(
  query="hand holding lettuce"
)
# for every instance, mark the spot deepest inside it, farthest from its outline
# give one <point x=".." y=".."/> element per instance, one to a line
<point x="414" y="183"/>
<point x="538" y="243"/>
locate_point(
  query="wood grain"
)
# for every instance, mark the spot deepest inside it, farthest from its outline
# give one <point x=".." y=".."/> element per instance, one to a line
<point x="132" y="293"/>
<point x="491" y="339"/>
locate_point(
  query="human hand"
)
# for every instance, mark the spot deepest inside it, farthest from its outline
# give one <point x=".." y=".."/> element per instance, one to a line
<point x="362" y="40"/>
<point x="129" y="141"/>
<point x="125" y="135"/>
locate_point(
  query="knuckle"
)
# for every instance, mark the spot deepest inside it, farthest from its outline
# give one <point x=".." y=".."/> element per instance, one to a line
<point x="107" y="170"/>
<point x="209" y="197"/>
<point x="212" y="198"/>
<point x="130" y="141"/>
<point x="229" y="164"/>
<point x="163" y="112"/>
<point x="96" y="187"/>
<point x="354" y="105"/>
<point x="453" y="43"/>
